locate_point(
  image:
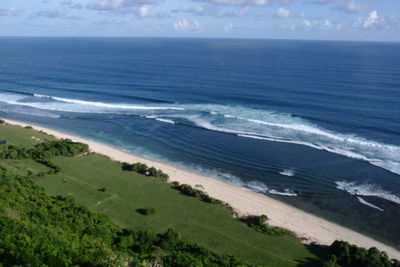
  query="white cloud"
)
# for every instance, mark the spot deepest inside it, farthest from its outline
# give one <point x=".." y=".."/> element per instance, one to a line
<point x="183" y="25"/>
<point x="377" y="22"/>
<point x="111" y="21"/>
<point x="51" y="13"/>
<point x="286" y="27"/>
<point x="321" y="24"/>
<point x="228" y="27"/>
<point x="282" y="13"/>
<point x="71" y="4"/>
<point x="204" y="10"/>
<point x="144" y="11"/>
<point x="350" y="6"/>
<point x="246" y="2"/>
<point x="120" y="6"/>
<point x="307" y="23"/>
<point x="8" y="11"/>
<point x="196" y="25"/>
<point x="371" y="20"/>
<point x="347" y="6"/>
<point x="240" y="13"/>
<point x="327" y="24"/>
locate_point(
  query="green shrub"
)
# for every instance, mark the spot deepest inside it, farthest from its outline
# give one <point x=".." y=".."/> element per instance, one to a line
<point x="343" y="254"/>
<point x="147" y="211"/>
<point x="143" y="169"/>
<point x="44" y="150"/>
<point x="187" y="190"/>
<point x="53" y="167"/>
<point x="259" y="223"/>
<point x="175" y="184"/>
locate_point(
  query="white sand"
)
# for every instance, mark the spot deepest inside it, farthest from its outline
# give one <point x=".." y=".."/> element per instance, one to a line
<point x="244" y="202"/>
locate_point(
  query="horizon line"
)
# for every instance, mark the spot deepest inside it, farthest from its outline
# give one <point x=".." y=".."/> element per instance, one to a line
<point x="193" y="37"/>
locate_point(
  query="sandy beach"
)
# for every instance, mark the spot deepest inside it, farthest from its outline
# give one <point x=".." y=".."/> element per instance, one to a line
<point x="244" y="202"/>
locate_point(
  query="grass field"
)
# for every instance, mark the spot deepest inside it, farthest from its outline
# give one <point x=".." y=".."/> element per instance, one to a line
<point x="125" y="192"/>
<point x="23" y="137"/>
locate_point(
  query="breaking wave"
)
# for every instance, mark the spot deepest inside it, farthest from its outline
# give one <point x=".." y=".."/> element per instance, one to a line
<point x="254" y="186"/>
<point x="238" y="120"/>
<point x="287" y="172"/>
<point x="160" y="119"/>
<point x="373" y="190"/>
<point x="366" y="203"/>
<point x="285" y="192"/>
<point x="105" y="105"/>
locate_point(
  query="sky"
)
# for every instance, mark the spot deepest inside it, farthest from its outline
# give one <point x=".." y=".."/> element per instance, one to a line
<point x="361" y="20"/>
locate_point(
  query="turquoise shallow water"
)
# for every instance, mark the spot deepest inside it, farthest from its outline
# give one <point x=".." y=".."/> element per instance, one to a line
<point x="314" y="124"/>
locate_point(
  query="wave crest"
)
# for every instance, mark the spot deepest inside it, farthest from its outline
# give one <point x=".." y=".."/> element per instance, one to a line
<point x="367" y="190"/>
<point x="238" y="120"/>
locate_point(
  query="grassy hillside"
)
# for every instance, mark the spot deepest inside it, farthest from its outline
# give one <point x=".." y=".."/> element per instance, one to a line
<point x="125" y="196"/>
<point x="125" y="193"/>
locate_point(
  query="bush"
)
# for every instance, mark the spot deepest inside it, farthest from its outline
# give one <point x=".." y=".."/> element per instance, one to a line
<point x="127" y="167"/>
<point x="343" y="254"/>
<point x="2" y="121"/>
<point x="143" y="169"/>
<point x="53" y="167"/>
<point x="44" y="150"/>
<point x="187" y="190"/>
<point x="175" y="184"/>
<point x="147" y="211"/>
<point x="259" y="223"/>
<point x="28" y="127"/>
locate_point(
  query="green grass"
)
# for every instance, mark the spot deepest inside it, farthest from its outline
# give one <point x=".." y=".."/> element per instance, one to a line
<point x="22" y="136"/>
<point x="125" y="192"/>
<point x="23" y="166"/>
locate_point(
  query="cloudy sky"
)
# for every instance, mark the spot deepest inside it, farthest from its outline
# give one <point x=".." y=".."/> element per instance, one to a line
<point x="375" y="20"/>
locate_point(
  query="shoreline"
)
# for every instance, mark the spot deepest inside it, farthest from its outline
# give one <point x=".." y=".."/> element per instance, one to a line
<point x="244" y="202"/>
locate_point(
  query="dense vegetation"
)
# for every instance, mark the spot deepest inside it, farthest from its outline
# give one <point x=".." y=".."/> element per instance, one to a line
<point x="187" y="190"/>
<point x="259" y="223"/>
<point x="142" y="168"/>
<point x="44" y="150"/>
<point x="343" y="254"/>
<point x="37" y="229"/>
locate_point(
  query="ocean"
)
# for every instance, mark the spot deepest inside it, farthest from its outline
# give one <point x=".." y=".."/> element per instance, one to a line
<point x="314" y="124"/>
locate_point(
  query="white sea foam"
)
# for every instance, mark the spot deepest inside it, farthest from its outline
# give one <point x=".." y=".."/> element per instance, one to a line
<point x="32" y="113"/>
<point x="287" y="172"/>
<point x="256" y="186"/>
<point x="366" y="203"/>
<point x="165" y="120"/>
<point x="356" y="189"/>
<point x="107" y="105"/>
<point x="158" y="118"/>
<point x="239" y="120"/>
<point x="286" y="192"/>
<point x="279" y="127"/>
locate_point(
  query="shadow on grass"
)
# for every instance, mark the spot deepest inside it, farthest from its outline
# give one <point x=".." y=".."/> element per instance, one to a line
<point x="141" y="211"/>
<point x="320" y="252"/>
<point x="146" y="211"/>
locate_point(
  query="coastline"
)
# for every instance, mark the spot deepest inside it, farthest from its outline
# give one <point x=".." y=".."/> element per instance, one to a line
<point x="308" y="226"/>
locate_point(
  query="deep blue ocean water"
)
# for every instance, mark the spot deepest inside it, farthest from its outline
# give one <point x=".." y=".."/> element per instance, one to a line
<point x="314" y="124"/>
